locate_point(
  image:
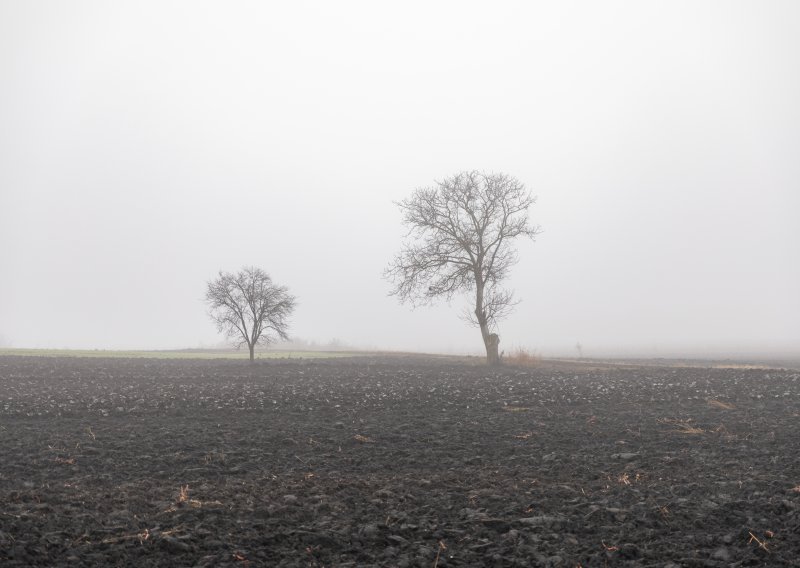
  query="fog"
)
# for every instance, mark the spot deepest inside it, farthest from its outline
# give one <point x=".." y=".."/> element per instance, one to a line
<point x="144" y="146"/>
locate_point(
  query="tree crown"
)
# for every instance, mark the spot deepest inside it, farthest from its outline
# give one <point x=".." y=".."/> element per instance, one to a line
<point x="247" y="305"/>
<point x="459" y="239"/>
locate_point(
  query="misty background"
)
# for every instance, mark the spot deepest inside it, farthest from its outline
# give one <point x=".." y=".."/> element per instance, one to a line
<point x="144" y="146"/>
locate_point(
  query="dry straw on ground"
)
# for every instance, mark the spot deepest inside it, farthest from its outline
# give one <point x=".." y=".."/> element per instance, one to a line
<point x="682" y="426"/>
<point x="521" y="357"/>
<point x="512" y="408"/>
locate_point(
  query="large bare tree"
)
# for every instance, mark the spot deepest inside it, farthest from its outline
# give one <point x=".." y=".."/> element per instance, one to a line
<point x="460" y="240"/>
<point x="247" y="306"/>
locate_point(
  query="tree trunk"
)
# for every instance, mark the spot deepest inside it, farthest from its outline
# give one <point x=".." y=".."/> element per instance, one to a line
<point x="252" y="351"/>
<point x="490" y="340"/>
<point x="492" y="343"/>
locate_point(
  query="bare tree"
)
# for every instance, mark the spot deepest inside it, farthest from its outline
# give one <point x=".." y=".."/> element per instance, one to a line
<point x="459" y="240"/>
<point x="247" y="305"/>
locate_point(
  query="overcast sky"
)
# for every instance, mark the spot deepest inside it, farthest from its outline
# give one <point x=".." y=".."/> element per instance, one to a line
<point x="144" y="146"/>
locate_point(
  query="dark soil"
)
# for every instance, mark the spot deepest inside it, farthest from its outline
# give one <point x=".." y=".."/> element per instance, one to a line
<point x="395" y="462"/>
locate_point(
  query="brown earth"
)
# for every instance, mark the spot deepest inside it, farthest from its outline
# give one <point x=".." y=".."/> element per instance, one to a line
<point x="396" y="461"/>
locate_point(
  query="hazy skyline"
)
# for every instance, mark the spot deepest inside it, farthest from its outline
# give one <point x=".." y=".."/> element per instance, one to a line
<point x="146" y="146"/>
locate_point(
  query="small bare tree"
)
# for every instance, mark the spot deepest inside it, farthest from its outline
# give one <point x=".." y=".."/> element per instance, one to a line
<point x="459" y="239"/>
<point x="247" y="305"/>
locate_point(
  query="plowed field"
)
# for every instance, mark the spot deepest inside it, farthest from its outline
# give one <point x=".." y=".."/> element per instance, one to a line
<point x="395" y="461"/>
